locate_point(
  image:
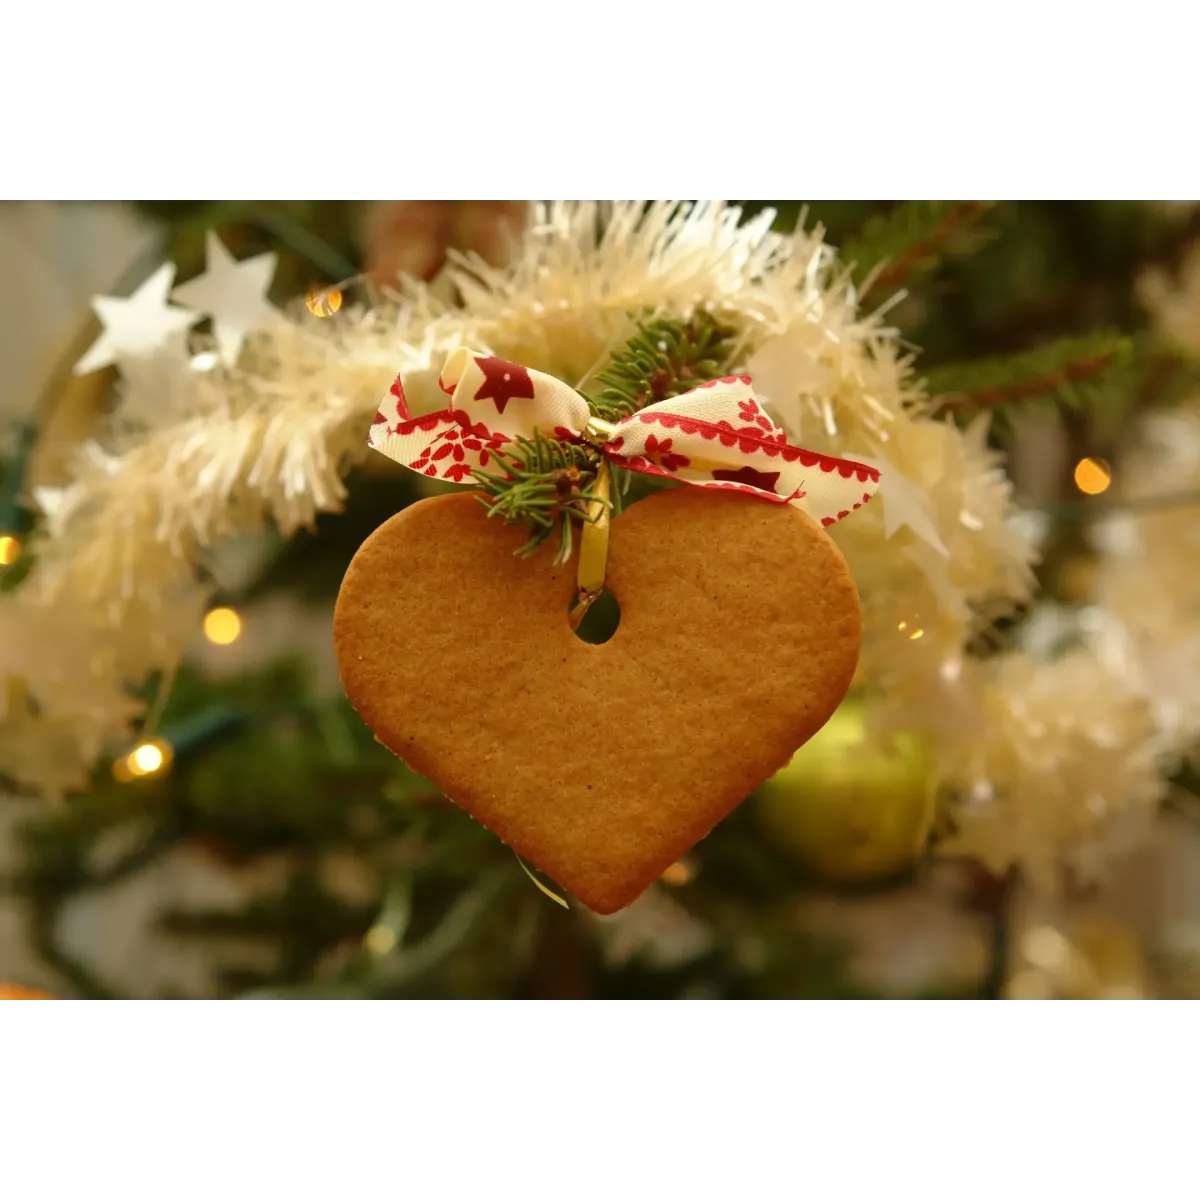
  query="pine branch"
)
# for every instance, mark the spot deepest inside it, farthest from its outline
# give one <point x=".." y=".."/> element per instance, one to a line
<point x="911" y="238"/>
<point x="663" y="359"/>
<point x="409" y="965"/>
<point x="1097" y="509"/>
<point x="1066" y="371"/>
<point x="548" y="485"/>
<point x="1168" y="379"/>
<point x="14" y="516"/>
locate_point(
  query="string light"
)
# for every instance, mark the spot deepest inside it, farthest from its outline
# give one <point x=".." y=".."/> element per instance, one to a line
<point x="222" y="626"/>
<point x="913" y="633"/>
<point x="10" y="549"/>
<point x="323" y="302"/>
<point x="146" y="758"/>
<point x="678" y="874"/>
<point x="1092" y="476"/>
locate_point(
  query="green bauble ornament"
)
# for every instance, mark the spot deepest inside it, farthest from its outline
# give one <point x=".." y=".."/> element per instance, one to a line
<point x="845" y="811"/>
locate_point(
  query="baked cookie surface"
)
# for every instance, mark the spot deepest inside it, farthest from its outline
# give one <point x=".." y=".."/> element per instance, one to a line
<point x="601" y="765"/>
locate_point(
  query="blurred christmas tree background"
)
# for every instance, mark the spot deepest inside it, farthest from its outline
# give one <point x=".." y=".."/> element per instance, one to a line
<point x="255" y="840"/>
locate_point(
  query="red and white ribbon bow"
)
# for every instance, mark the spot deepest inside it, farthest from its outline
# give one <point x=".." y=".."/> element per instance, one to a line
<point x="714" y="436"/>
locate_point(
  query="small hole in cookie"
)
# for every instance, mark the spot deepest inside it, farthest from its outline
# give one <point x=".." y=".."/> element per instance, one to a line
<point x="600" y="621"/>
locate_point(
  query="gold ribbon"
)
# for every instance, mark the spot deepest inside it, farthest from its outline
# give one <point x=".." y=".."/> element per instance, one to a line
<point x="593" y="542"/>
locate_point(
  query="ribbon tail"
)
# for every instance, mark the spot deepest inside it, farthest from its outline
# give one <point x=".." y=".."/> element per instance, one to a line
<point x="718" y="436"/>
<point x="593" y="547"/>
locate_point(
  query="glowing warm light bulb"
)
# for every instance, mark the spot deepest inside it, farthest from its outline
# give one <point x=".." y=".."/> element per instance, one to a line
<point x="1092" y="476"/>
<point x="222" y="626"/>
<point x="146" y="758"/>
<point x="677" y="874"/>
<point x="323" y="302"/>
<point x="10" y="549"/>
<point x="914" y="632"/>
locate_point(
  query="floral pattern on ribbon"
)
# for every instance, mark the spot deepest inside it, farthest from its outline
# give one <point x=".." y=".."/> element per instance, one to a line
<point x="715" y="436"/>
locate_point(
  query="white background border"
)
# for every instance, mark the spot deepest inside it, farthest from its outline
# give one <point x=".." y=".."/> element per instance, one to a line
<point x="613" y="1101"/>
<point x="606" y="99"/>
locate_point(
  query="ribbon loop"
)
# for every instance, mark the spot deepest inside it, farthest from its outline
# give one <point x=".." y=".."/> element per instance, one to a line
<point x="715" y="436"/>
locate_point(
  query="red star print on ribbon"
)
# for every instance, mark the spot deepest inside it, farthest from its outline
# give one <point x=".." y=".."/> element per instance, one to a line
<point x="715" y="436"/>
<point x="763" y="480"/>
<point x="503" y="381"/>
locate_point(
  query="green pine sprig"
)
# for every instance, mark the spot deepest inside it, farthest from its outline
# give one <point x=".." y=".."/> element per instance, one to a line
<point x="548" y="485"/>
<point x="664" y="358"/>
<point x="1167" y="379"/>
<point x="1070" y="372"/>
<point x="544" y="484"/>
<point x="911" y="238"/>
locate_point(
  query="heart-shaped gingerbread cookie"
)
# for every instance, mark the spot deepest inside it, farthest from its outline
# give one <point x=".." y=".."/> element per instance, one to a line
<point x="600" y="764"/>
